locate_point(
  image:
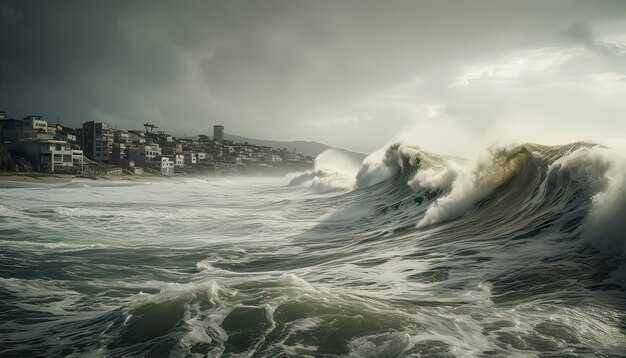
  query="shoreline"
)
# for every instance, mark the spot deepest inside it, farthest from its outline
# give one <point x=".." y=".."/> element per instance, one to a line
<point x="41" y="178"/>
<point x="33" y="177"/>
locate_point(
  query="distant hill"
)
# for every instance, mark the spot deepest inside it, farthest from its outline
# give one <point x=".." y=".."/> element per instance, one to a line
<point x="303" y="147"/>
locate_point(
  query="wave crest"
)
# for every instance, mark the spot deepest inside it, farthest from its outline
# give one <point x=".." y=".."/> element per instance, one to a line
<point x="334" y="169"/>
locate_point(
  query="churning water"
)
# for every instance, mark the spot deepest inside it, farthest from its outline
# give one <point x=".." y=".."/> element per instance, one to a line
<point x="520" y="253"/>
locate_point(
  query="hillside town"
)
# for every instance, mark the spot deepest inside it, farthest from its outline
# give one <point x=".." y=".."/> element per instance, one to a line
<point x="32" y="144"/>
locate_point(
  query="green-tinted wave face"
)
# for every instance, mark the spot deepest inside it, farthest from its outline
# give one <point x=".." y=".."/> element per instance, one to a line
<point x="406" y="254"/>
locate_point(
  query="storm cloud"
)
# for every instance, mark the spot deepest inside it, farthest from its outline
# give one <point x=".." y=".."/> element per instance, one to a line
<point x="353" y="74"/>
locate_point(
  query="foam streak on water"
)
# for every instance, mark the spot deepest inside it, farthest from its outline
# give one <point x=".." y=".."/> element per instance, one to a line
<point x="520" y="253"/>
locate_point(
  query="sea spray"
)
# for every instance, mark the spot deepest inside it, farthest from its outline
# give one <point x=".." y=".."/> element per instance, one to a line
<point x="606" y="223"/>
<point x="334" y="169"/>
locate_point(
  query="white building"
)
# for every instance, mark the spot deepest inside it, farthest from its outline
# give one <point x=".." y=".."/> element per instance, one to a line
<point x="51" y="155"/>
<point x="78" y="158"/>
<point x="34" y="123"/>
<point x="34" y="127"/>
<point x="162" y="164"/>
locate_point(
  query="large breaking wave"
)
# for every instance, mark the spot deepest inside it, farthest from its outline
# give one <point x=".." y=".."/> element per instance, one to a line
<point x="582" y="181"/>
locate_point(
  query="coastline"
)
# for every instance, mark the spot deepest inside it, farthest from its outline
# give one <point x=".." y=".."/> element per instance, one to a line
<point x="21" y="179"/>
<point x="33" y="177"/>
<point x="28" y="178"/>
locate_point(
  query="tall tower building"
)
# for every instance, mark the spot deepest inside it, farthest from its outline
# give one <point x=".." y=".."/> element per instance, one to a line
<point x="218" y="132"/>
<point x="97" y="141"/>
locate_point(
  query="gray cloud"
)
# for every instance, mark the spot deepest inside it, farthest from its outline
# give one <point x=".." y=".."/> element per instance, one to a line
<point x="349" y="73"/>
<point x="583" y="33"/>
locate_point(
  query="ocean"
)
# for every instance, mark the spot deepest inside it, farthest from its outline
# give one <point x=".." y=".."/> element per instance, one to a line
<point x="408" y="254"/>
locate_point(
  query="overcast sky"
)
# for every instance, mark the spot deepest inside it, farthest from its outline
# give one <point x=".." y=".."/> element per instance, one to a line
<point x="353" y="74"/>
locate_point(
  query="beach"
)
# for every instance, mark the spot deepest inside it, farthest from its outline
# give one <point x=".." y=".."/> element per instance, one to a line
<point x="31" y="177"/>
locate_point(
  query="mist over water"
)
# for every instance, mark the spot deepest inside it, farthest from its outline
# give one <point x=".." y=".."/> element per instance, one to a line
<point x="410" y="253"/>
